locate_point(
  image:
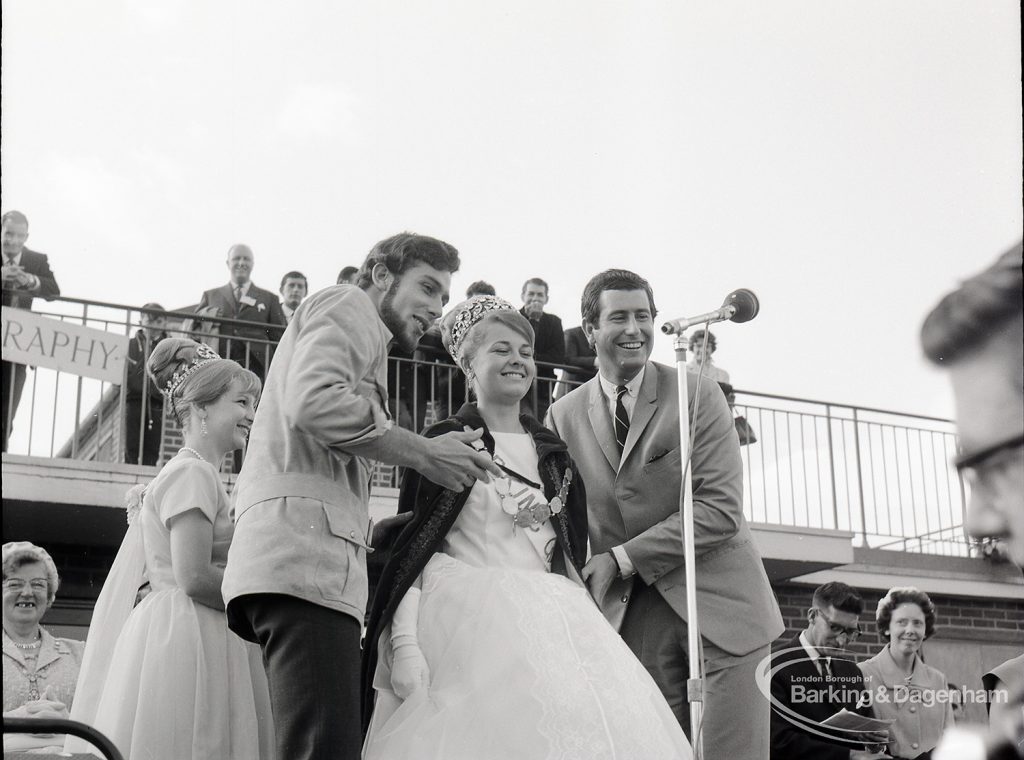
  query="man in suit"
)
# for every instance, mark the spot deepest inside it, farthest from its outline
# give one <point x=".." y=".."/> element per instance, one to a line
<point x="581" y="355"/>
<point x="296" y="578"/>
<point x="548" y="346"/>
<point x="144" y="403"/>
<point x="28" y="274"/>
<point x="293" y="289"/>
<point x="249" y="345"/>
<point x="813" y="679"/>
<point x="622" y="428"/>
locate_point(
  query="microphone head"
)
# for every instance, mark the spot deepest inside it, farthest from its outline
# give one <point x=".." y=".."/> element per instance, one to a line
<point x="745" y="303"/>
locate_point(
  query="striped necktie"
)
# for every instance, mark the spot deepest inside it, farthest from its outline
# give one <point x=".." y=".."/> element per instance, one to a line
<point x="621" y="418"/>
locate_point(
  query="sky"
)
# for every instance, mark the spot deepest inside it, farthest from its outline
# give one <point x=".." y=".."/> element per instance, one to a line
<point x="850" y="162"/>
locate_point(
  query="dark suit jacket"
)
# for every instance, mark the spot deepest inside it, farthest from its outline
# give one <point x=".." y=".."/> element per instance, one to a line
<point x="549" y="342"/>
<point x="235" y="339"/>
<point x="39" y="265"/>
<point x="793" y="688"/>
<point x="579" y="353"/>
<point x="636" y="505"/>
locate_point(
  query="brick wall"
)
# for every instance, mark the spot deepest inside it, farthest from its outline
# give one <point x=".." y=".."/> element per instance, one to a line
<point x="958" y="617"/>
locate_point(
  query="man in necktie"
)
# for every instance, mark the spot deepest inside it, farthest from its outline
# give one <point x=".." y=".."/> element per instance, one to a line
<point x="813" y="678"/>
<point x="250" y="345"/>
<point x="26" y="274"/>
<point x="622" y="429"/>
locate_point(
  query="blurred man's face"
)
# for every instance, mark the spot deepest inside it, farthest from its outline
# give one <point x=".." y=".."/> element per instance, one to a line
<point x="13" y="234"/>
<point x="240" y="264"/>
<point x="154" y="325"/>
<point x="535" y="297"/>
<point x="293" y="291"/>
<point x="990" y="411"/>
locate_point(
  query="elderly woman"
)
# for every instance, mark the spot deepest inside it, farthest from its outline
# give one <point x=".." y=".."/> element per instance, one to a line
<point x="39" y="670"/>
<point x="482" y="640"/>
<point x="902" y="686"/>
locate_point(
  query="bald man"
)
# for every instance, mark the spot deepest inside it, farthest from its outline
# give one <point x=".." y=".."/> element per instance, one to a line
<point x="249" y="345"/>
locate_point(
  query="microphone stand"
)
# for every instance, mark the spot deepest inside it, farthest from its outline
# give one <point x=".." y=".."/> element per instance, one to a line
<point x="694" y="685"/>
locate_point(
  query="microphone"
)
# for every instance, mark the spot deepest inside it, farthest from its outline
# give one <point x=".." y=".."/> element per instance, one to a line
<point x="739" y="306"/>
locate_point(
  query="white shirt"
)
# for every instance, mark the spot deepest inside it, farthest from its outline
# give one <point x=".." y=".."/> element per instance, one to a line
<point x="626" y="568"/>
<point x="813" y="653"/>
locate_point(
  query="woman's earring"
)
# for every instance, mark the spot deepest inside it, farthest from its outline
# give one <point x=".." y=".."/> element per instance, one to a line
<point x="202" y="425"/>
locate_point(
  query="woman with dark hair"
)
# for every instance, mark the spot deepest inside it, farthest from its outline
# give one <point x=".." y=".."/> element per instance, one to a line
<point x="902" y="686"/>
<point x="482" y="640"/>
<point x="177" y="683"/>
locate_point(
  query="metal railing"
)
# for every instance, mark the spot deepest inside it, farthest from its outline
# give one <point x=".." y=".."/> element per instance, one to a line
<point x="880" y="474"/>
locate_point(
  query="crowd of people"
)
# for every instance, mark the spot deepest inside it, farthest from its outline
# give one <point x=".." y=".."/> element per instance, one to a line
<point x="531" y="598"/>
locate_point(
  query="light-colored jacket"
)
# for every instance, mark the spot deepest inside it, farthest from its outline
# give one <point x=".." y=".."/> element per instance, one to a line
<point x="56" y="669"/>
<point x="301" y="501"/>
<point x="920" y="705"/>
<point x="636" y="505"/>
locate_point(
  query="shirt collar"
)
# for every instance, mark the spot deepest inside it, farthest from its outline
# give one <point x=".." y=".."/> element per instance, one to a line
<point x="14" y="259"/>
<point x="245" y="288"/>
<point x="632" y="387"/>
<point x="813" y="653"/>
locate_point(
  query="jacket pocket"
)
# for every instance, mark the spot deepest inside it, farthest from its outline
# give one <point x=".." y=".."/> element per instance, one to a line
<point x="341" y="565"/>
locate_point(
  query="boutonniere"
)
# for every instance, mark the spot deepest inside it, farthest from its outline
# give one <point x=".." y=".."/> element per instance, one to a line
<point x="261" y="306"/>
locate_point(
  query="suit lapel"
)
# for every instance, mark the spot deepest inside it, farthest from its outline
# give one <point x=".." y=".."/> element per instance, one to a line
<point x="227" y="292"/>
<point x="643" y="412"/>
<point x="601" y="422"/>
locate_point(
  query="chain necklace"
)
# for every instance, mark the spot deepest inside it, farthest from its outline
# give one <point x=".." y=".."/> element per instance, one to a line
<point x="191" y="450"/>
<point x="532" y="514"/>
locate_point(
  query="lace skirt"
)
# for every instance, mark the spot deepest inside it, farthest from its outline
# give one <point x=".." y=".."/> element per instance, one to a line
<point x="522" y="665"/>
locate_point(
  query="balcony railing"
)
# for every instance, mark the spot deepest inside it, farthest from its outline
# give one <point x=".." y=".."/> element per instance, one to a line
<point x="880" y="474"/>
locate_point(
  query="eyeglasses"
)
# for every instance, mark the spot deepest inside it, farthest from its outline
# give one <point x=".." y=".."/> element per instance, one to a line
<point x="17" y="584"/>
<point x="971" y="464"/>
<point x="839" y="630"/>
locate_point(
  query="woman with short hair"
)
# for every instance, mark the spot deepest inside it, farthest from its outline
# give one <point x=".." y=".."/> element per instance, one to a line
<point x="902" y="687"/>
<point x="40" y="670"/>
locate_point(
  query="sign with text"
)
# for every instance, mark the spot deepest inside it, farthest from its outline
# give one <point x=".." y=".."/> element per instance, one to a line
<point x="45" y="342"/>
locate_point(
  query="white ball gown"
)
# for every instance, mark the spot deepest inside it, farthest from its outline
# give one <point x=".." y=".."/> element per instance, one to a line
<point x="179" y="683"/>
<point x="522" y="662"/>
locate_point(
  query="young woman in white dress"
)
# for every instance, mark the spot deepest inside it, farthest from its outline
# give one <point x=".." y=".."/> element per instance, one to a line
<point x="176" y="683"/>
<point x="482" y="640"/>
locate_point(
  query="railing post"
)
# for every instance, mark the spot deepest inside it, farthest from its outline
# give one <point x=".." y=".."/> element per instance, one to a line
<point x="860" y="479"/>
<point x="832" y="467"/>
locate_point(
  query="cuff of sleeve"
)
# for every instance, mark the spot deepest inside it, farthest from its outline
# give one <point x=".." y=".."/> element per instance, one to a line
<point x="626" y="569"/>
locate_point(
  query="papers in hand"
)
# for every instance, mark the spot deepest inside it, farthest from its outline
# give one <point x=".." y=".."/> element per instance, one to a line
<point x="844" y="720"/>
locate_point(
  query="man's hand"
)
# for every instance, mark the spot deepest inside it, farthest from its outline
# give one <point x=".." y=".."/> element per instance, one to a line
<point x="599" y="573"/>
<point x="452" y="462"/>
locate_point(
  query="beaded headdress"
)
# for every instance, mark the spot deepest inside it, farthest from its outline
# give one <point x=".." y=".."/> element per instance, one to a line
<point x="467" y="314"/>
<point x="204" y="355"/>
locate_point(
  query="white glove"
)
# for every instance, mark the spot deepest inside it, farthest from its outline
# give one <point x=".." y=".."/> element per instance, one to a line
<point x="409" y="671"/>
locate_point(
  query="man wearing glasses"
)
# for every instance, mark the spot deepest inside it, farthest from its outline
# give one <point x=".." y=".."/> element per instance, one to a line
<point x="977" y="332"/>
<point x="813" y="679"/>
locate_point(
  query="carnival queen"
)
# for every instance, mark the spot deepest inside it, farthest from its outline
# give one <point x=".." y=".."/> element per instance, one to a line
<point x="482" y="640"/>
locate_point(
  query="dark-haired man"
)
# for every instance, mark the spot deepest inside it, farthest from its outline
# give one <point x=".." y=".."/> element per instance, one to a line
<point x="28" y="274"/>
<point x="549" y="345"/>
<point x="622" y="428"/>
<point x="813" y="679"/>
<point x="296" y="579"/>
<point x="347" y="275"/>
<point x="977" y="333"/>
<point x="293" y="289"/>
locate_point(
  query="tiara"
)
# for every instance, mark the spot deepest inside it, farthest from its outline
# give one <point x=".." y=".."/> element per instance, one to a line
<point x="204" y="355"/>
<point x="468" y="314"/>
